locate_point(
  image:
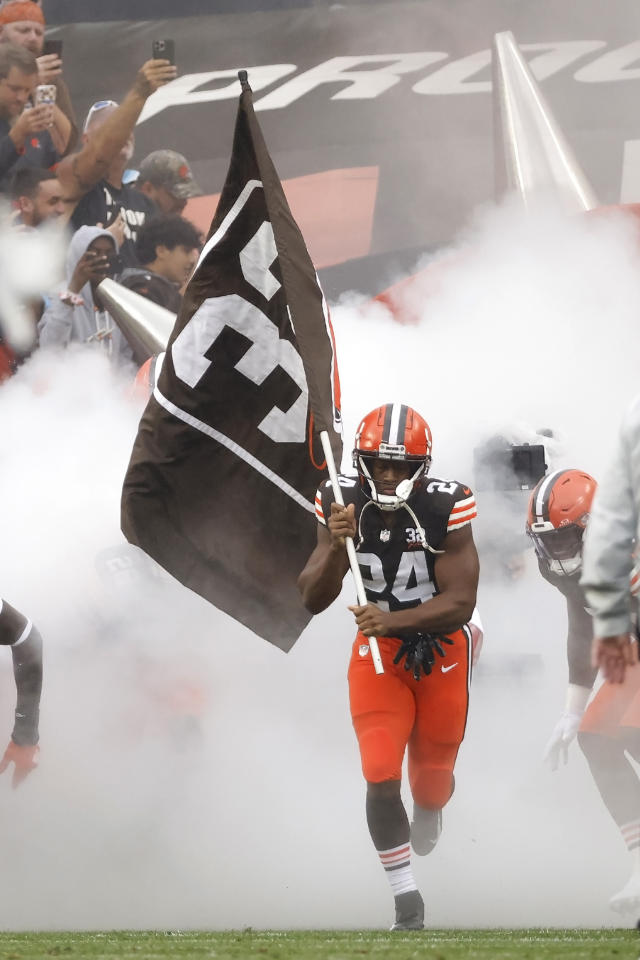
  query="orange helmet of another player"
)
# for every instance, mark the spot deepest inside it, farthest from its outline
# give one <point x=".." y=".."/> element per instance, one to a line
<point x="147" y="376"/>
<point x="396" y="432"/>
<point x="558" y="514"/>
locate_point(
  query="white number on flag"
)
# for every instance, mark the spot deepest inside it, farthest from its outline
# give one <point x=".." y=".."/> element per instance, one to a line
<point x="266" y="353"/>
<point x="256" y="258"/>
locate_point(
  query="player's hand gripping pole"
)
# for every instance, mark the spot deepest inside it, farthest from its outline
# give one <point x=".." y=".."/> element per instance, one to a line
<point x="351" y="550"/>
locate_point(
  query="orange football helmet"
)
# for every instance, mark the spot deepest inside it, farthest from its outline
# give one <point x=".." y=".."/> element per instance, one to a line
<point x="557" y="517"/>
<point x="147" y="376"/>
<point x="393" y="431"/>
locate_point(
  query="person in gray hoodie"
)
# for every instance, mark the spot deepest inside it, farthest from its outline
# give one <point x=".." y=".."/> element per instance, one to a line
<point x="612" y="539"/>
<point x="75" y="314"/>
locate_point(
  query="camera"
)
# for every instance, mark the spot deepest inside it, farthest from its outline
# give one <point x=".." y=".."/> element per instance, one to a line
<point x="500" y="465"/>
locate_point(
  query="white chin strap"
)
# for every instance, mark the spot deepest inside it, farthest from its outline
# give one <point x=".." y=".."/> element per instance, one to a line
<point x="565" y="568"/>
<point x="403" y="490"/>
<point x="422" y="537"/>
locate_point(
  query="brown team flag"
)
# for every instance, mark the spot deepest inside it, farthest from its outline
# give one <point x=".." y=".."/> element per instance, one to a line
<point x="221" y="482"/>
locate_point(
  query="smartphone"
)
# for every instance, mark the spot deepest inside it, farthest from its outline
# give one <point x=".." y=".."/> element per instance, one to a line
<point x="44" y="93"/>
<point x="164" y="50"/>
<point x="116" y="264"/>
<point x="53" y="46"/>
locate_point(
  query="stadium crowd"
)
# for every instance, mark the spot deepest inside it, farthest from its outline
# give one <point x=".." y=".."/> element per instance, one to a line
<point x="77" y="182"/>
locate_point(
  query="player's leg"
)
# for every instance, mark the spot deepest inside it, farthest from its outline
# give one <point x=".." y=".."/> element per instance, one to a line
<point x="442" y="700"/>
<point x="382" y="710"/>
<point x="627" y="900"/>
<point x="610" y="729"/>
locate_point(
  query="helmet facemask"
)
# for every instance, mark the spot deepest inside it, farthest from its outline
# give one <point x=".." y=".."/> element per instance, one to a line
<point x="559" y="547"/>
<point x="392" y="432"/>
<point x="557" y="517"/>
<point x="418" y="466"/>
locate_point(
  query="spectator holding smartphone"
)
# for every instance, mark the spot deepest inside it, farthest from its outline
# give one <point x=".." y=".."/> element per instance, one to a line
<point x="25" y="139"/>
<point x="92" y="178"/>
<point x="76" y="314"/>
<point x="22" y="24"/>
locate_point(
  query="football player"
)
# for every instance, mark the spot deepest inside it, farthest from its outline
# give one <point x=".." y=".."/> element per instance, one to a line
<point x="17" y="632"/>
<point x="419" y="566"/>
<point x="558" y="513"/>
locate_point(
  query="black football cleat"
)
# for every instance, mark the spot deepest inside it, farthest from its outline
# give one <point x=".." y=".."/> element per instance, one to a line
<point x="426" y="828"/>
<point x="409" y="911"/>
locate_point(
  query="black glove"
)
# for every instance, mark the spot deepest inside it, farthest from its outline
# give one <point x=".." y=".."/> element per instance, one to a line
<point x="420" y="652"/>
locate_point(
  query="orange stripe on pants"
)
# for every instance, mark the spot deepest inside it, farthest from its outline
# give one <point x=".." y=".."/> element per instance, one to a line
<point x="393" y="710"/>
<point x="615" y="705"/>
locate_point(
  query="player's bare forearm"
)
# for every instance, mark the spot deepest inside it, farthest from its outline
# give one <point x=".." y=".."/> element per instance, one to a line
<point x="441" y="614"/>
<point x="80" y="172"/>
<point x="321" y="580"/>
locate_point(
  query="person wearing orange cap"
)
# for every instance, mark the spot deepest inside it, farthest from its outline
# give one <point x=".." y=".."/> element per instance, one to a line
<point x="25" y="139"/>
<point x="22" y="24"/>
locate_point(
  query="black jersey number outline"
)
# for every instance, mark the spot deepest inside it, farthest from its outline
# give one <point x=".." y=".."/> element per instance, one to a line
<point x="412" y="563"/>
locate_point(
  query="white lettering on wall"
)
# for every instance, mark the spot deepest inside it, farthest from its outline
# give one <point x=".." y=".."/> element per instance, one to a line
<point x="386" y="71"/>
<point x="369" y="76"/>
<point x="184" y="90"/>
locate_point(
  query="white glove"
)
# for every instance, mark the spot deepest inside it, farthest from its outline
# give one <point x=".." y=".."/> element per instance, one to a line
<point x="567" y="726"/>
<point x="563" y="733"/>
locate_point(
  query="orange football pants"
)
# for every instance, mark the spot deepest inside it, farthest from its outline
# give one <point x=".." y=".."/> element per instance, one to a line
<point x="615" y="705"/>
<point x="393" y="710"/>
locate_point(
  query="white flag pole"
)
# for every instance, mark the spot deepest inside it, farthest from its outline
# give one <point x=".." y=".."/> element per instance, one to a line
<point x="351" y="550"/>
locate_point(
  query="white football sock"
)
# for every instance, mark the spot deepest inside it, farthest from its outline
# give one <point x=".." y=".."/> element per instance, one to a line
<point x="397" y="866"/>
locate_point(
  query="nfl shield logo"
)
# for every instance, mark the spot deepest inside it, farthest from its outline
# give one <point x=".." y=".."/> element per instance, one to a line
<point x="364" y="649"/>
<point x="385" y="535"/>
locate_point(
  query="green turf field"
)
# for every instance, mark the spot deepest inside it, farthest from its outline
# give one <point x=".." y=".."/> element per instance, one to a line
<point x="327" y="945"/>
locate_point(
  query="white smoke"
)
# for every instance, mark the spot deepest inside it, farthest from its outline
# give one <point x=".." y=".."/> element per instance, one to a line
<point x="131" y="821"/>
<point x="529" y="323"/>
<point x="30" y="261"/>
